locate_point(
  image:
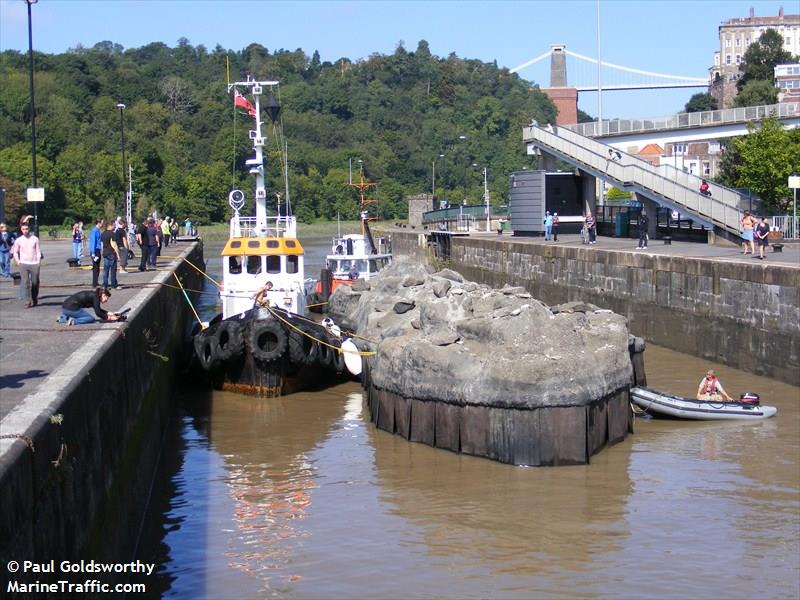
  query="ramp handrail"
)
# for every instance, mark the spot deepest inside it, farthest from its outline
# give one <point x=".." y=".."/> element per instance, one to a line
<point x="631" y="171"/>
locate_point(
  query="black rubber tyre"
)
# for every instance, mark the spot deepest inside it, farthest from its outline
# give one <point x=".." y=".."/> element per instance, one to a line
<point x="338" y="358"/>
<point x="302" y="348"/>
<point x="325" y="352"/>
<point x="230" y="340"/>
<point x="267" y="341"/>
<point x="205" y="348"/>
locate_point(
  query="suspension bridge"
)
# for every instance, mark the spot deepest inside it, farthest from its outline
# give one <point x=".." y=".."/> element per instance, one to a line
<point x="584" y="73"/>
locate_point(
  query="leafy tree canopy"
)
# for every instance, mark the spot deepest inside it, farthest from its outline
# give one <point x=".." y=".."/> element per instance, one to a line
<point x="395" y="112"/>
<point x="764" y="159"/>
<point x="760" y="59"/>
<point x="700" y="103"/>
<point x="757" y="93"/>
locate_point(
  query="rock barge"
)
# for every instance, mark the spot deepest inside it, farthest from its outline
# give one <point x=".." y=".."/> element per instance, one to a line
<point x="488" y="372"/>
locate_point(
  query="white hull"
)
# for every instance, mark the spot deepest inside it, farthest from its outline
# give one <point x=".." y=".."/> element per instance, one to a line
<point x="686" y="408"/>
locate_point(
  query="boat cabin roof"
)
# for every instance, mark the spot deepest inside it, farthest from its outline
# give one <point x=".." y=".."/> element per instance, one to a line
<point x="262" y="246"/>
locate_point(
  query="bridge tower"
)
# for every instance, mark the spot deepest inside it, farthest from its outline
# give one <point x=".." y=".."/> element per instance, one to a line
<point x="565" y="98"/>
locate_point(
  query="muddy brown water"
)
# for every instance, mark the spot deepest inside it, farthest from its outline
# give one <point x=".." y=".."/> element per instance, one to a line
<point x="301" y="497"/>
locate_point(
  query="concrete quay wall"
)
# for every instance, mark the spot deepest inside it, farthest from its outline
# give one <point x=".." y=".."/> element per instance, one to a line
<point x="96" y="425"/>
<point x="743" y="314"/>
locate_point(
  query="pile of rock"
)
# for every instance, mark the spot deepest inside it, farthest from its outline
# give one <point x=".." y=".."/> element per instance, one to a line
<point x="441" y="339"/>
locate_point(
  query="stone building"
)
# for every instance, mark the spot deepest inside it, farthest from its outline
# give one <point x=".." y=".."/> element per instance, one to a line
<point x="735" y="37"/>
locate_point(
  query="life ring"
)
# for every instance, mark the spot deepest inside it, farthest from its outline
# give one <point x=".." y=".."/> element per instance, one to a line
<point x="229" y="339"/>
<point x="205" y="348"/>
<point x="267" y="341"/>
<point x="302" y="348"/>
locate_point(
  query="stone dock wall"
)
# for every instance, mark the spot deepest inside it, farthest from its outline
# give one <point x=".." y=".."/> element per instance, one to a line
<point x="114" y="394"/>
<point x="746" y="316"/>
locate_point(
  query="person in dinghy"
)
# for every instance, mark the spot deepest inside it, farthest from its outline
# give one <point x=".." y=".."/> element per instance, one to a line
<point x="711" y="390"/>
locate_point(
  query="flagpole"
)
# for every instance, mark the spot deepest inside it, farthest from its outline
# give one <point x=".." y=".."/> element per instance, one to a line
<point x="228" y="71"/>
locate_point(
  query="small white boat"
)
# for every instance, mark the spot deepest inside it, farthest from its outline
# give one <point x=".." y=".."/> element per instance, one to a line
<point x="686" y="408"/>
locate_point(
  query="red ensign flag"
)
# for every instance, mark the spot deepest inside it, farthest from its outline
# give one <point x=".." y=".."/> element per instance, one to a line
<point x="242" y="102"/>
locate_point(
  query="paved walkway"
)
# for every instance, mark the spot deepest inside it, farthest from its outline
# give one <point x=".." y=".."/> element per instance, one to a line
<point x="32" y="343"/>
<point x="790" y="256"/>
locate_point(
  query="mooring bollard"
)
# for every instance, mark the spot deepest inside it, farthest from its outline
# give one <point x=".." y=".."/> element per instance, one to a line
<point x="777" y="247"/>
<point x="667" y="240"/>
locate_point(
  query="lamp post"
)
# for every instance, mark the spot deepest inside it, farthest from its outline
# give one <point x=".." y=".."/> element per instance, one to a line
<point x="33" y="114"/>
<point x="121" y="108"/>
<point x="794" y="183"/>
<point x="486" y="195"/>
<point x="433" y="177"/>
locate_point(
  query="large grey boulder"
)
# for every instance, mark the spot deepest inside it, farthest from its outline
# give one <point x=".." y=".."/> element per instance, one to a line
<point x="464" y="343"/>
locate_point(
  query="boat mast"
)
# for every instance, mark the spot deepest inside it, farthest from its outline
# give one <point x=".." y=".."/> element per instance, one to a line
<point x="256" y="164"/>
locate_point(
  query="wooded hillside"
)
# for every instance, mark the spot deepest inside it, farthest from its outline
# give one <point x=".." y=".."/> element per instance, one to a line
<point x="395" y="112"/>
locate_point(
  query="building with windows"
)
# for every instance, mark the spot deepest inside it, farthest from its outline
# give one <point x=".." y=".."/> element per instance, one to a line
<point x="735" y="37"/>
<point x="787" y="80"/>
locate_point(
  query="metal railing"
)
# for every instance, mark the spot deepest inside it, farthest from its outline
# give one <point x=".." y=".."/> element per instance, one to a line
<point x="681" y="188"/>
<point x="276" y="226"/>
<point x="787" y="225"/>
<point x="707" y="118"/>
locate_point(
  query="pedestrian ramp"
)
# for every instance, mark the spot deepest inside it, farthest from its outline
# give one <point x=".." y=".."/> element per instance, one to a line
<point x="663" y="184"/>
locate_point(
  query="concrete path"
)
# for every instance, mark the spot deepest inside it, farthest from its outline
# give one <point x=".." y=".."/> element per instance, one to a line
<point x="789" y="256"/>
<point x="33" y="344"/>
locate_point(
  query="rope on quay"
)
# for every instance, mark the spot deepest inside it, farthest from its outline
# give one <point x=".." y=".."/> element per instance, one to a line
<point x="185" y="295"/>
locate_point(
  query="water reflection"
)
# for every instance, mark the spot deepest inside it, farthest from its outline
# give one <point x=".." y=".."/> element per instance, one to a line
<point x="303" y="498"/>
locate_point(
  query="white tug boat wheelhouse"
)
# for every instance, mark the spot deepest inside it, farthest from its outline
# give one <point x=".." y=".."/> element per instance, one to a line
<point x="262" y="343"/>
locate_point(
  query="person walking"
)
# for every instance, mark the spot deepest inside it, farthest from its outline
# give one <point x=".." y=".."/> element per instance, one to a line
<point x="110" y="256"/>
<point x="95" y="250"/>
<point x="153" y="241"/>
<point x="762" y="237"/>
<point x="141" y="240"/>
<point x="27" y="253"/>
<point x="591" y="227"/>
<point x="643" y="222"/>
<point x="166" y="230"/>
<point x="555" y="226"/>
<point x="77" y="242"/>
<point x="121" y="237"/>
<point x="748" y="222"/>
<point x="6" y="242"/>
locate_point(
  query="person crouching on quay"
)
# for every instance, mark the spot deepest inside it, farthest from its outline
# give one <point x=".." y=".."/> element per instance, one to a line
<point x="73" y="313"/>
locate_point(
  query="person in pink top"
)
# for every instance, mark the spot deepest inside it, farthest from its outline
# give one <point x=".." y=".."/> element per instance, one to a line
<point x="28" y="256"/>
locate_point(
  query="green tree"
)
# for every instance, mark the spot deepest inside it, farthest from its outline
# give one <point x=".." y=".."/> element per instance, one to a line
<point x="758" y="63"/>
<point x="757" y="93"/>
<point x="700" y="103"/>
<point x="769" y="154"/>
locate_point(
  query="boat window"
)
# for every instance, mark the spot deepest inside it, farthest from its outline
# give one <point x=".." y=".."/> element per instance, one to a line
<point x="236" y="244"/>
<point x="273" y="244"/>
<point x="373" y="266"/>
<point x="273" y="264"/>
<point x="254" y="265"/>
<point x="234" y="265"/>
<point x="362" y="266"/>
<point x="253" y="244"/>
<point x="292" y="264"/>
<point x="290" y="244"/>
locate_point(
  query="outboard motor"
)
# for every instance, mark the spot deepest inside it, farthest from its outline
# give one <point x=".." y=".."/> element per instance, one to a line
<point x="749" y="399"/>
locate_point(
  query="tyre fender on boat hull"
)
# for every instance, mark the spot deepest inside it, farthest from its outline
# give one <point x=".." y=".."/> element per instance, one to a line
<point x="267" y="341"/>
<point x="206" y="350"/>
<point x="302" y="347"/>
<point x="229" y="339"/>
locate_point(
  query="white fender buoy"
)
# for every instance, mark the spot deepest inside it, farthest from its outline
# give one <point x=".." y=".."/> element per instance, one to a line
<point x="352" y="357"/>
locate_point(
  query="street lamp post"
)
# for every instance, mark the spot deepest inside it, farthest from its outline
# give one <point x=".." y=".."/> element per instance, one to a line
<point x="433" y="178"/>
<point x="121" y="108"/>
<point x="794" y="183"/>
<point x="33" y="114"/>
<point x="486" y="195"/>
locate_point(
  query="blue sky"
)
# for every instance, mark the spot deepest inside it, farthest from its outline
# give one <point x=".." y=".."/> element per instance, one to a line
<point x="677" y="37"/>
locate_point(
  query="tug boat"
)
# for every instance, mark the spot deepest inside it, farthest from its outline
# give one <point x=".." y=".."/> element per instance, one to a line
<point x="353" y="256"/>
<point x="262" y="343"/>
<point x="748" y="408"/>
